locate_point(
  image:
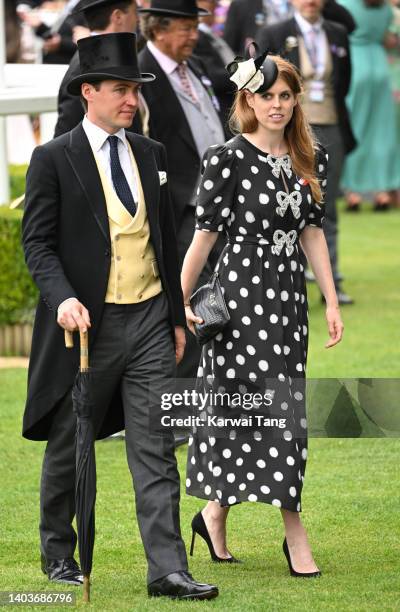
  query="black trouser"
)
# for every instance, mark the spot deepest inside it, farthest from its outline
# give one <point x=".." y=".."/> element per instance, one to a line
<point x="330" y="137"/>
<point x="134" y="350"/>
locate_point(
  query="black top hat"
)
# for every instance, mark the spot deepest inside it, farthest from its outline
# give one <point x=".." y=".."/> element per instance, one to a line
<point x="175" y="8"/>
<point x="85" y="5"/>
<point x="108" y="56"/>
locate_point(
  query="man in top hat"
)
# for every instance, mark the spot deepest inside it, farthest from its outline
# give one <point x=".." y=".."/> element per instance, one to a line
<point x="102" y="17"/>
<point x="184" y="116"/>
<point x="99" y="241"/>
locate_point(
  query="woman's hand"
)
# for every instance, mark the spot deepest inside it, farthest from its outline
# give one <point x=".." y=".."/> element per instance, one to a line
<point x="335" y="325"/>
<point x="191" y="319"/>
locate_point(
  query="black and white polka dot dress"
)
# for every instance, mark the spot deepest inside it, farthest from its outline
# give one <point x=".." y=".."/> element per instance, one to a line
<point x="263" y="207"/>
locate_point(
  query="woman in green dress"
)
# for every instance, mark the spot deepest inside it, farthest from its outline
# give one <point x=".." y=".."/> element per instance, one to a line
<point x="374" y="166"/>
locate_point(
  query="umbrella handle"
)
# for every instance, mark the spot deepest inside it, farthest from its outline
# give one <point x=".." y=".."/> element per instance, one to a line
<point x="84" y="346"/>
<point x="84" y="342"/>
<point x="68" y="339"/>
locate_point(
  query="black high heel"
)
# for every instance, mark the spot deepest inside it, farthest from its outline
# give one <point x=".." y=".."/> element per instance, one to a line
<point x="292" y="571"/>
<point x="199" y="526"/>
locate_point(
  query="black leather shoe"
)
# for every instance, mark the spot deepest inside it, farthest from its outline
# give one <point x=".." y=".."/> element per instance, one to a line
<point x="62" y="570"/>
<point x="181" y="585"/>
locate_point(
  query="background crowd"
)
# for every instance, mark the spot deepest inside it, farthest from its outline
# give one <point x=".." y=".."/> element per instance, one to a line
<point x="348" y="49"/>
<point x="47" y="32"/>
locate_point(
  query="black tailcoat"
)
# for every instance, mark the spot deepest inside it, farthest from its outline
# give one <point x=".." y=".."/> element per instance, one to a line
<point x="66" y="240"/>
<point x="274" y="38"/>
<point x="243" y="21"/>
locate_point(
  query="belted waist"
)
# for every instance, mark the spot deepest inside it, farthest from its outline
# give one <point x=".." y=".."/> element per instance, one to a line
<point x="277" y="241"/>
<point x="248" y="240"/>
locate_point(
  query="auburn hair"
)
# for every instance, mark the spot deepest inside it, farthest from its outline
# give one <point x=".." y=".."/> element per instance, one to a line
<point x="302" y="145"/>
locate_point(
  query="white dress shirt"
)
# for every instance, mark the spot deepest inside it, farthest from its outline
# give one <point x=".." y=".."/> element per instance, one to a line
<point x="101" y="148"/>
<point x="307" y="29"/>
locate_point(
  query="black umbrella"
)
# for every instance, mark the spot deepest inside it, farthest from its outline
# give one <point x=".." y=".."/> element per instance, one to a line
<point x="85" y="487"/>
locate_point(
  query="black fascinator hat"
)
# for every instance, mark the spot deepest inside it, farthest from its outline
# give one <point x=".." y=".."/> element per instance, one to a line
<point x="257" y="74"/>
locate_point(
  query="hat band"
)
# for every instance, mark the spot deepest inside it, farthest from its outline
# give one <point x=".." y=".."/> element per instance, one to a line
<point x="119" y="71"/>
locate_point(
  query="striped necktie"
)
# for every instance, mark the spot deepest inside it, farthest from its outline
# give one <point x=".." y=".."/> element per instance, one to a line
<point x="185" y="82"/>
<point x="313" y="46"/>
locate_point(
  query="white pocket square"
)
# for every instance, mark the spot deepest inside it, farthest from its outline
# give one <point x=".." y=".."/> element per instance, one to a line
<point x="163" y="177"/>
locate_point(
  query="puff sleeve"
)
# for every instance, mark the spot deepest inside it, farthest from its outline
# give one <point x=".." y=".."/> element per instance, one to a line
<point x="215" y="195"/>
<point x="317" y="209"/>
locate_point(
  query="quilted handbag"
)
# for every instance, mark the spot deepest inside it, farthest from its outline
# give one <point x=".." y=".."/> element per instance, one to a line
<point x="208" y="303"/>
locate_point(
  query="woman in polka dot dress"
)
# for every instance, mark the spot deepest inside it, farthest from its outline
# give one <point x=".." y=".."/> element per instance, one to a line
<point x="264" y="189"/>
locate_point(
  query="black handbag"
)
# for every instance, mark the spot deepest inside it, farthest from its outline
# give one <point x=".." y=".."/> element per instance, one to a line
<point x="208" y="303"/>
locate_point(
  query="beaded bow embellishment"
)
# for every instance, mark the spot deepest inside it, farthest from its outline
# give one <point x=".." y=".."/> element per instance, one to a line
<point x="282" y="239"/>
<point x="278" y="163"/>
<point x="288" y="199"/>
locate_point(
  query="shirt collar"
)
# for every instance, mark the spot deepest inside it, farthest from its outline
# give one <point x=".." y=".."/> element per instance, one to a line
<point x="97" y="136"/>
<point x="304" y="25"/>
<point x="167" y="63"/>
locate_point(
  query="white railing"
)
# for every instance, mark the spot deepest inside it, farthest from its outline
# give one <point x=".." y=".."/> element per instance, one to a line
<point x="26" y="88"/>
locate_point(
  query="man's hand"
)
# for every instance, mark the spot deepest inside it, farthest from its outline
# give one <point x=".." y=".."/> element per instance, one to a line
<point x="72" y="315"/>
<point x="180" y="342"/>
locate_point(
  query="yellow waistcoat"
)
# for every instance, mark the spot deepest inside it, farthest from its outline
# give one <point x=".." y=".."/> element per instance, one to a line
<point x="134" y="273"/>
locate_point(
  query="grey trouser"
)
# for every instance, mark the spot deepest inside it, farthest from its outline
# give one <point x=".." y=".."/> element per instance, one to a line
<point x="133" y="350"/>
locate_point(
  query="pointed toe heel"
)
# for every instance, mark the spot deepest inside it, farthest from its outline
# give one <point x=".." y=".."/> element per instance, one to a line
<point x="293" y="571"/>
<point x="199" y="527"/>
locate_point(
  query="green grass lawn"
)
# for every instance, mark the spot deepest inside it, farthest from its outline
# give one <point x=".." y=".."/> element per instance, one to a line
<point x="369" y="258"/>
<point x="350" y="498"/>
